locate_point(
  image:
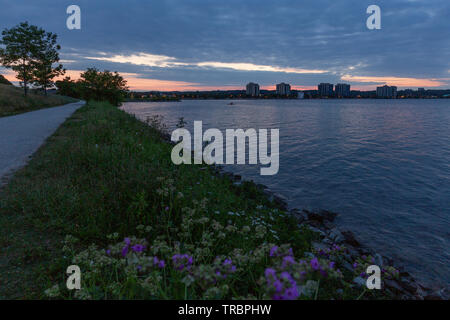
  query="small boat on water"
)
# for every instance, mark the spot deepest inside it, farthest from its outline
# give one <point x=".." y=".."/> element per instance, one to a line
<point x="231" y="104"/>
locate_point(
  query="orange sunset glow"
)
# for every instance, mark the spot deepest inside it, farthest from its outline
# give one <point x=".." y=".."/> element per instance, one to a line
<point x="137" y="83"/>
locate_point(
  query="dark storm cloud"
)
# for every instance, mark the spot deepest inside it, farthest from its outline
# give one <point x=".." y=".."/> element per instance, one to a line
<point x="314" y="35"/>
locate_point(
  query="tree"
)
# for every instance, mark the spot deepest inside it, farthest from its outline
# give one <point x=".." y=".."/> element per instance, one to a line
<point x="69" y="87"/>
<point x="21" y="51"/>
<point x="103" y="86"/>
<point x="47" y="55"/>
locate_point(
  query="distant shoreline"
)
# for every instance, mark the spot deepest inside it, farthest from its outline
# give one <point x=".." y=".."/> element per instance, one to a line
<point x="230" y="99"/>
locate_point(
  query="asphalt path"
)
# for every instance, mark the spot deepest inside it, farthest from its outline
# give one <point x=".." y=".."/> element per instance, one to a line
<point x="21" y="135"/>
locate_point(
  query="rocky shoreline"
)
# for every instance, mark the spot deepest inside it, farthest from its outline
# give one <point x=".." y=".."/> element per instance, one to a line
<point x="322" y="222"/>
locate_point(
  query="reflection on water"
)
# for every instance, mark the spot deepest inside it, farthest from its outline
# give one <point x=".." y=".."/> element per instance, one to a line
<point x="384" y="165"/>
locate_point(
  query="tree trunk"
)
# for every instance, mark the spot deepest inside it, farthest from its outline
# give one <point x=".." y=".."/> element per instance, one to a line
<point x="25" y="82"/>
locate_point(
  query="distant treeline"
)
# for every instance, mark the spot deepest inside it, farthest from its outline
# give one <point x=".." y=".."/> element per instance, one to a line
<point x="266" y="94"/>
<point x="218" y="95"/>
<point x="95" y="85"/>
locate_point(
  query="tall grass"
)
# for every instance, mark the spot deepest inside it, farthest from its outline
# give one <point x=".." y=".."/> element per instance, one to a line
<point x="13" y="101"/>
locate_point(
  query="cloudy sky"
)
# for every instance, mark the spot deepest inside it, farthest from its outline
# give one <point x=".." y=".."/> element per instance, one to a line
<point x="197" y="45"/>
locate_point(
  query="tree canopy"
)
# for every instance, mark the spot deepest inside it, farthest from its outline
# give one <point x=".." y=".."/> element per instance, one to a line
<point x="95" y="85"/>
<point x="31" y="52"/>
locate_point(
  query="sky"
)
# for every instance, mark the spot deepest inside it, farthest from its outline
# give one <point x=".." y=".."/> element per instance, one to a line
<point x="185" y="45"/>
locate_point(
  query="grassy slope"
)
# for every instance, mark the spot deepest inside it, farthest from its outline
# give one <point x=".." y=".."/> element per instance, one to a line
<point x="98" y="174"/>
<point x="13" y="101"/>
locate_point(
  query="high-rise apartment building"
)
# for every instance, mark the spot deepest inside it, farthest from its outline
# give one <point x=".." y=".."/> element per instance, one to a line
<point x="283" y="89"/>
<point x="253" y="89"/>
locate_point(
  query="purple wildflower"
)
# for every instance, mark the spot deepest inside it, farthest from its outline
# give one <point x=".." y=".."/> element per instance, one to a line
<point x="332" y="265"/>
<point x="277" y="285"/>
<point x="138" y="248"/>
<point x="283" y="288"/>
<point x="270" y="273"/>
<point x="273" y="251"/>
<point x="285" y="275"/>
<point x="125" y="251"/>
<point x="158" y="263"/>
<point x="288" y="260"/>
<point x="291" y="293"/>
<point x="227" y="262"/>
<point x="182" y="261"/>
<point x="315" y="264"/>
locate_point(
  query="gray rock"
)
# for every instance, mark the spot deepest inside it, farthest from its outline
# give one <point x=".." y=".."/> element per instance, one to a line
<point x="336" y="235"/>
<point x="328" y="215"/>
<point x="329" y="225"/>
<point x="314" y="223"/>
<point x="350" y="238"/>
<point x="314" y="216"/>
<point x="353" y="252"/>
<point x="321" y="216"/>
<point x="393" y="286"/>
<point x="281" y="201"/>
<point x="299" y="215"/>
<point x="408" y="286"/>
<point x="320" y="232"/>
<point x="268" y="194"/>
<point x="437" y="295"/>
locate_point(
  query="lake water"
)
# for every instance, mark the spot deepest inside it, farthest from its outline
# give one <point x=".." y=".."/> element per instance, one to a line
<point x="384" y="165"/>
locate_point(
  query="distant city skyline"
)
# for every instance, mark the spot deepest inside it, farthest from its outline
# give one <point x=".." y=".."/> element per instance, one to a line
<point x="180" y="46"/>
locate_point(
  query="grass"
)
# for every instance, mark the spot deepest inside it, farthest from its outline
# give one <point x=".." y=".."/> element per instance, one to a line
<point x="105" y="176"/>
<point x="13" y="101"/>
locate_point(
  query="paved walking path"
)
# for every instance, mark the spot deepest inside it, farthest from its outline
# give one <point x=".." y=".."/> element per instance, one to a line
<point x="23" y="134"/>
